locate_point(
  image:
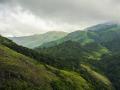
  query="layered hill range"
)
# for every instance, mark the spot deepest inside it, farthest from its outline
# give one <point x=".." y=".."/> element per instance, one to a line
<point x="102" y="33"/>
<point x="38" y="39"/>
<point x="81" y="60"/>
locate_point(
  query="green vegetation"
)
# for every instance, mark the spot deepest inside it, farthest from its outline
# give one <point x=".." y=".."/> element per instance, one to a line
<point x="104" y="34"/>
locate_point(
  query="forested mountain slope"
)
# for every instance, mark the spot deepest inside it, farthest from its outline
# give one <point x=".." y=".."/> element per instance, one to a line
<point x="70" y="54"/>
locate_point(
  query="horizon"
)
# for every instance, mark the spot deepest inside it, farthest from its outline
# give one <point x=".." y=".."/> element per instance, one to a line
<point x="49" y="31"/>
<point x="61" y="31"/>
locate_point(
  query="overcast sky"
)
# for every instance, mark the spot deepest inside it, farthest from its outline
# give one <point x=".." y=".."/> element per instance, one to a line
<point x="26" y="17"/>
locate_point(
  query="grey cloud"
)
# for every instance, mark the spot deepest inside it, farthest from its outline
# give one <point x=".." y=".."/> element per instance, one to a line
<point x="72" y="12"/>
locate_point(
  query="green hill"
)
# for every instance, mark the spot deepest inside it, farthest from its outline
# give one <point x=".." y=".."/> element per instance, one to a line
<point x="79" y="36"/>
<point x="36" y="40"/>
<point x="19" y="72"/>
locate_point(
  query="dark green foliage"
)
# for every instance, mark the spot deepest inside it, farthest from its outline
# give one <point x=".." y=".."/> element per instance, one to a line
<point x="70" y="54"/>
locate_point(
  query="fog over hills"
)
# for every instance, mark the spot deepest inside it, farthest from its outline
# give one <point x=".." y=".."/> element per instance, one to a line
<point x="38" y="39"/>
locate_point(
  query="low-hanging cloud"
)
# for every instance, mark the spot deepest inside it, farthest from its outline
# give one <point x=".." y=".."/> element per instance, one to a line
<point x="68" y="14"/>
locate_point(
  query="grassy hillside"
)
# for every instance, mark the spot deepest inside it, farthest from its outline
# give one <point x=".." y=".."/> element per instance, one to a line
<point x="36" y="40"/>
<point x="18" y="72"/>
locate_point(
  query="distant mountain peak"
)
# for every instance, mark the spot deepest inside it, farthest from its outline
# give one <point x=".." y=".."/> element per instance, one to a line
<point x="38" y="39"/>
<point x="102" y="26"/>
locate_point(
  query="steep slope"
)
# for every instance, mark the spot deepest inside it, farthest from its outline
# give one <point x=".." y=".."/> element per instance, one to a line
<point x="37" y="40"/>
